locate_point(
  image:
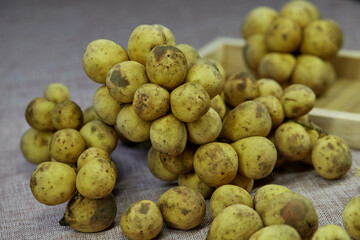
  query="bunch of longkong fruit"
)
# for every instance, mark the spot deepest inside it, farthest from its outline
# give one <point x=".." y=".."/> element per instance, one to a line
<point x="215" y="134"/>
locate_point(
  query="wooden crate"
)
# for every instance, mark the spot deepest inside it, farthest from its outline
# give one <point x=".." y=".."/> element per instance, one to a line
<point x="337" y="111"/>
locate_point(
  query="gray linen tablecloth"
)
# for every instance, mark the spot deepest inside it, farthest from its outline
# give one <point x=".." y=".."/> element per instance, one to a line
<point x="43" y="42"/>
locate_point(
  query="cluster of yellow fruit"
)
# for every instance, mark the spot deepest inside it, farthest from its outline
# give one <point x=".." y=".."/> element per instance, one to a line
<point x="206" y="130"/>
<point x="294" y="45"/>
<point x="71" y="151"/>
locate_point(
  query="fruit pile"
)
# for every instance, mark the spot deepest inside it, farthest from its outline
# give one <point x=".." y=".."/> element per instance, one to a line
<point x="207" y="131"/>
<point x="71" y="149"/>
<point x="294" y="45"/>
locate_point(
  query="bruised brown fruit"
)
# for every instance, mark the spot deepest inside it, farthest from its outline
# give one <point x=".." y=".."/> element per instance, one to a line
<point x="292" y="209"/>
<point x="89" y="215"/>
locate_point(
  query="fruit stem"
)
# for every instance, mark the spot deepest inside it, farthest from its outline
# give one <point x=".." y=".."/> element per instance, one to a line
<point x="63" y="222"/>
<point x="312" y="127"/>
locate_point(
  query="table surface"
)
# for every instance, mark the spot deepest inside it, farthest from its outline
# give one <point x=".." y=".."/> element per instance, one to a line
<point x="43" y="42"/>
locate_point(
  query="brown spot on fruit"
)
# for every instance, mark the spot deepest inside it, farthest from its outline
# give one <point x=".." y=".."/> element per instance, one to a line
<point x="118" y="80"/>
<point x="241" y="86"/>
<point x="144" y="208"/>
<point x="294" y="212"/>
<point x="33" y="181"/>
<point x="44" y="142"/>
<point x="330" y="146"/>
<point x="184" y="211"/>
<point x="159" y="52"/>
<point x="296" y="110"/>
<point x="259" y="111"/>
<point x="290" y="99"/>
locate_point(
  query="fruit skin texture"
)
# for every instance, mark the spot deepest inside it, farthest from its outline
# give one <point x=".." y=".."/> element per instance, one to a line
<point x="131" y="126"/>
<point x="275" y="232"/>
<point x="105" y="106"/>
<point x="142" y="39"/>
<point x="227" y="195"/>
<point x="142" y="220"/>
<point x="90" y="154"/>
<point x="313" y="72"/>
<point x="157" y="168"/>
<point x="257" y="156"/>
<point x="206" y="129"/>
<point x="264" y="194"/>
<point x="283" y="35"/>
<point x="239" y="87"/>
<point x="96" y="179"/>
<point x="274" y="107"/>
<point x="254" y="50"/>
<point x="124" y="78"/>
<point x="331" y="157"/>
<point x="205" y="73"/>
<point x="56" y="92"/>
<point x="53" y="183"/>
<point x="189" y="102"/>
<point x="351" y="217"/>
<point x="322" y="38"/>
<point x="151" y="101"/>
<point x="330" y="232"/>
<point x="66" y="145"/>
<point x="302" y="12"/>
<point x="182" y="207"/>
<point x="100" y="55"/>
<point x="167" y="66"/>
<point x="216" y="163"/>
<point x="235" y="222"/>
<point x="67" y="114"/>
<point x="181" y="163"/>
<point x="249" y="118"/>
<point x="190" y="53"/>
<point x="89" y="215"/>
<point x="98" y="134"/>
<point x="34" y="145"/>
<point x="292" y="141"/>
<point x="38" y="114"/>
<point x="277" y="66"/>
<point x="168" y="135"/>
<point x="257" y="21"/>
<point x="191" y="180"/>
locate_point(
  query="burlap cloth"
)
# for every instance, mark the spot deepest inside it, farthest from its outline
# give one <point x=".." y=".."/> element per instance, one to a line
<point x="43" y="42"/>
